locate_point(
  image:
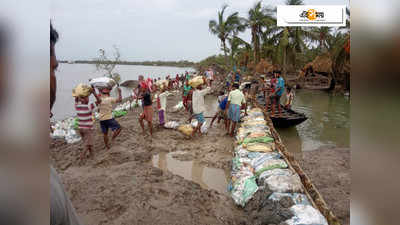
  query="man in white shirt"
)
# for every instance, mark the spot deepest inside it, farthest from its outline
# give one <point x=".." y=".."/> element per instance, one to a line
<point x="199" y="106"/>
<point x="236" y="99"/>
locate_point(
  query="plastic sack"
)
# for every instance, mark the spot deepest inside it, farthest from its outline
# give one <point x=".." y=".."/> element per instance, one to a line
<point x="298" y="199"/>
<point x="263" y="157"/>
<point x="119" y="113"/>
<point x="282" y="172"/>
<point x="284" y="184"/>
<point x="178" y="107"/>
<point x="186" y="129"/>
<point x="58" y="133"/>
<point x="81" y="90"/>
<point x="243" y="190"/>
<point x="204" y="128"/>
<point x="76" y="123"/>
<point x="171" y="125"/>
<point x="269" y="165"/>
<point x="196" y="81"/>
<point x="306" y="215"/>
<point x="103" y="82"/>
<point x="238" y="164"/>
<point x="263" y="139"/>
<point x="134" y="104"/>
<point x="260" y="147"/>
<point x="194" y="123"/>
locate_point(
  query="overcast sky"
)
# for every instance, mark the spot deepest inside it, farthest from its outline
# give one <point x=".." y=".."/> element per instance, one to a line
<point x="145" y="29"/>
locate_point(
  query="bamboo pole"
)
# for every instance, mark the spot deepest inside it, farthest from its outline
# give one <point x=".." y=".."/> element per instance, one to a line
<point x="310" y="190"/>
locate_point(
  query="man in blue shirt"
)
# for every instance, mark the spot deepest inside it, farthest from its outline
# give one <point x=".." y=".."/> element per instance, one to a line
<point x="237" y="76"/>
<point x="222" y="101"/>
<point x="280" y="88"/>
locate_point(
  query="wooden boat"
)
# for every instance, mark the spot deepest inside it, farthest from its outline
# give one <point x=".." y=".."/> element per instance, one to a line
<point x="287" y="118"/>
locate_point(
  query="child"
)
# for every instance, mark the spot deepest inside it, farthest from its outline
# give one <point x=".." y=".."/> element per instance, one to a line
<point x="222" y="100"/>
<point x="147" y="109"/>
<point x="289" y="97"/>
<point x="105" y="114"/>
<point x="84" y="112"/>
<point x="162" y="105"/>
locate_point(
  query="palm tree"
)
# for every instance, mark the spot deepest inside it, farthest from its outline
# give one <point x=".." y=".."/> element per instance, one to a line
<point x="322" y="34"/>
<point x="258" y="17"/>
<point x="236" y="43"/>
<point x="223" y="28"/>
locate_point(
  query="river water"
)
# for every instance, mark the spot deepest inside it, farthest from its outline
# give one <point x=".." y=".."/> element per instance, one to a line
<point x="328" y="123"/>
<point x="70" y="75"/>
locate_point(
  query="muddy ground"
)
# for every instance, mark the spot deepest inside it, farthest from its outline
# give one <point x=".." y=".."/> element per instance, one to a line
<point x="329" y="170"/>
<point x="132" y="183"/>
<point x="121" y="186"/>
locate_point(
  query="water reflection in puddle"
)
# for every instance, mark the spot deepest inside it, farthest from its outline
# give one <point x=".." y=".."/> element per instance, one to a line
<point x="206" y="177"/>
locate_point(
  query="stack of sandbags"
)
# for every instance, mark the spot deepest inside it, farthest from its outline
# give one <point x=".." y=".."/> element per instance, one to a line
<point x="196" y="81"/>
<point x="258" y="165"/>
<point x="103" y="82"/>
<point x="81" y="90"/>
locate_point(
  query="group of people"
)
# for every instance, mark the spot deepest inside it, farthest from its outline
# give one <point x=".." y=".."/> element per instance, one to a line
<point x="273" y="90"/>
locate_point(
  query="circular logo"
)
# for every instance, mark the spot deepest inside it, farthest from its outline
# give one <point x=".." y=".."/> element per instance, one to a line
<point x="312" y="14"/>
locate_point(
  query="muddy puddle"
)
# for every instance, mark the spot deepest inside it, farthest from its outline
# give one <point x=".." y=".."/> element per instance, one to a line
<point x="193" y="170"/>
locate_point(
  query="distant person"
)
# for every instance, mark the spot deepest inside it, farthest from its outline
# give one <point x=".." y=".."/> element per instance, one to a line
<point x="106" y="118"/>
<point x="187" y="75"/>
<point x="185" y="93"/>
<point x="199" y="106"/>
<point x="279" y="89"/>
<point x="289" y="97"/>
<point x="236" y="100"/>
<point x="237" y="76"/>
<point x="147" y="109"/>
<point x="61" y="210"/>
<point x="84" y="112"/>
<point x="177" y="80"/>
<point x="222" y="101"/>
<point x="162" y="105"/>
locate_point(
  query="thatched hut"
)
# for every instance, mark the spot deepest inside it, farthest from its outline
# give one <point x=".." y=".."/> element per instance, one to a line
<point x="321" y="64"/>
<point x="318" y="73"/>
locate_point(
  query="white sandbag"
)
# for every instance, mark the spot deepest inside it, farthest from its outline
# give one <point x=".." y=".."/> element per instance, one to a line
<point x="103" y="82"/>
<point x="306" y="215"/>
<point x="178" y="107"/>
<point x="264" y="175"/>
<point x="204" y="128"/>
<point x="298" y="198"/>
<point x="270" y="164"/>
<point x="263" y="157"/>
<point x="194" y="123"/>
<point x="284" y="184"/>
<point x="171" y="125"/>
<point x="243" y="190"/>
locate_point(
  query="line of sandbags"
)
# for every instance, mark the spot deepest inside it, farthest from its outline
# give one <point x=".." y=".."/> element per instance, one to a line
<point x="258" y="165"/>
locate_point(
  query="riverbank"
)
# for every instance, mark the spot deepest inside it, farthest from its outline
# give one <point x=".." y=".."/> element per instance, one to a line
<point x="329" y="170"/>
<point x="122" y="186"/>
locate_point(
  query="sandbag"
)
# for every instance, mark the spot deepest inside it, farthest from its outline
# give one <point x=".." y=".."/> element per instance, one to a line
<point x="306" y="215"/>
<point x="283" y="172"/>
<point x="243" y="190"/>
<point x="298" y="198"/>
<point x="186" y="129"/>
<point x="269" y="165"/>
<point x="196" y="81"/>
<point x="119" y="113"/>
<point x="284" y="184"/>
<point x="171" y="125"/>
<point x="178" y="107"/>
<point x="263" y="139"/>
<point x="260" y="147"/>
<point x="103" y="82"/>
<point x="81" y="90"/>
<point x="263" y="157"/>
